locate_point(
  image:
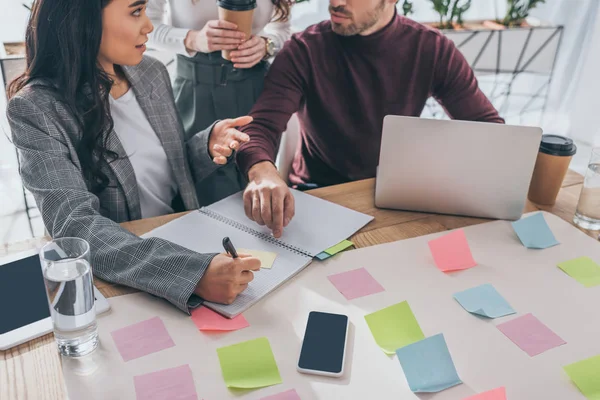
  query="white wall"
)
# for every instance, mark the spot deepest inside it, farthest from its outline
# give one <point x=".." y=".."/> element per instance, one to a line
<point x="583" y="115"/>
<point x="13" y="20"/>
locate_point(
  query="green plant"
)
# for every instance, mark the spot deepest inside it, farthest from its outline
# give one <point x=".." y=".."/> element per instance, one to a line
<point x="518" y="10"/>
<point x="458" y="10"/>
<point x="451" y="11"/>
<point x="407" y="7"/>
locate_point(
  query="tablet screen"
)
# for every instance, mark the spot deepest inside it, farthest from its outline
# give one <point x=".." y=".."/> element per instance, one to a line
<point x="23" y="298"/>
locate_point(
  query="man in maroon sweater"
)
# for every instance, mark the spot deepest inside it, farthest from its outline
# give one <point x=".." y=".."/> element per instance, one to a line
<point x="342" y="77"/>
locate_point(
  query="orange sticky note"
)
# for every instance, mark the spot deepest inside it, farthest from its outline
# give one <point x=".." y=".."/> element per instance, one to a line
<point x="451" y="252"/>
<point x="494" y="394"/>
<point x="208" y="320"/>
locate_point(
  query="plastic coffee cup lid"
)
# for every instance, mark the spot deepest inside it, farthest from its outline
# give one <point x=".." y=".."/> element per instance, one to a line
<point x="556" y="145"/>
<point x="237" y="5"/>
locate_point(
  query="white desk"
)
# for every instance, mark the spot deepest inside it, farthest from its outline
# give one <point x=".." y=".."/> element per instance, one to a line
<point x="484" y="357"/>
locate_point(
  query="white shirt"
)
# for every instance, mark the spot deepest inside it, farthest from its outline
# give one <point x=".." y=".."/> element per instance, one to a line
<point x="154" y="176"/>
<point x="173" y="19"/>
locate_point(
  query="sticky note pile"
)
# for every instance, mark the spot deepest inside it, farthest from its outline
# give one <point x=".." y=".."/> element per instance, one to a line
<point x="484" y="300"/>
<point x="451" y="252"/>
<point x="249" y="365"/>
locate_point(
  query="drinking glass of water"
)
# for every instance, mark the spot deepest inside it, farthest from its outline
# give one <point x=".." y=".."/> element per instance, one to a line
<point x="587" y="215"/>
<point x="70" y="289"/>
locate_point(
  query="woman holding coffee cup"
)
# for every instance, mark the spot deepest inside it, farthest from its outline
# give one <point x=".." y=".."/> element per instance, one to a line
<point x="207" y="86"/>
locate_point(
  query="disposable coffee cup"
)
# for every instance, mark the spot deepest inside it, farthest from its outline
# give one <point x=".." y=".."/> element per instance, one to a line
<point x="239" y="12"/>
<point x="550" y="169"/>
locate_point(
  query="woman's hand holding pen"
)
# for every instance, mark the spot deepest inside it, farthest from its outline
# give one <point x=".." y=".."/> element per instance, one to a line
<point x="225" y="138"/>
<point x="227" y="277"/>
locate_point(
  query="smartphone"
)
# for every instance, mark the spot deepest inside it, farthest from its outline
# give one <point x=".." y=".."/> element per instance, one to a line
<point x="324" y="345"/>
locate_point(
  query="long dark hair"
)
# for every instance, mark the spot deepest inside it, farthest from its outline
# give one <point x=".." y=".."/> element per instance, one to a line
<point x="62" y="44"/>
<point x="282" y="9"/>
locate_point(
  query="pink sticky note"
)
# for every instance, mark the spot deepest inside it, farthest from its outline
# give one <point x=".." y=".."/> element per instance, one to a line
<point x="451" y="252"/>
<point x="208" y="320"/>
<point x="530" y="335"/>
<point x="494" y="394"/>
<point x="173" y="383"/>
<point x="288" y="395"/>
<point x="143" y="338"/>
<point x="355" y="283"/>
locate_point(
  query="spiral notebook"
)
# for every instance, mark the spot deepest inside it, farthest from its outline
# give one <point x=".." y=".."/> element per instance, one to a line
<point x="316" y="226"/>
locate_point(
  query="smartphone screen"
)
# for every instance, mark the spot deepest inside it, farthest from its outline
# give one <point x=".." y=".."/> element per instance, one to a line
<point x="324" y="343"/>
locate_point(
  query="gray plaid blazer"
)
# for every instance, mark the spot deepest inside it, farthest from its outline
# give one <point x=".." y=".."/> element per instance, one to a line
<point x="46" y="135"/>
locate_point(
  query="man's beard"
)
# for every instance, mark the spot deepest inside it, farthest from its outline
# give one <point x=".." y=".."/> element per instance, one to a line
<point x="354" y="29"/>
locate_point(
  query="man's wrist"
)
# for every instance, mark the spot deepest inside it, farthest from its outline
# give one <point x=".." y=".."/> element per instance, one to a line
<point x="260" y="168"/>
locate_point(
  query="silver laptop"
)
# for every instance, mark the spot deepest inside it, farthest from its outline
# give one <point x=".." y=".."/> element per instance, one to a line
<point x="455" y="167"/>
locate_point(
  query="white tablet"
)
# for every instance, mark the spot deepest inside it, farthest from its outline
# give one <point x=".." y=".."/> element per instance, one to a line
<point x="24" y="310"/>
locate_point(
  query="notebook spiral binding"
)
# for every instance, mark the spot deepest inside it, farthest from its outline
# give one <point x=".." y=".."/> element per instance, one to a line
<point x="251" y="231"/>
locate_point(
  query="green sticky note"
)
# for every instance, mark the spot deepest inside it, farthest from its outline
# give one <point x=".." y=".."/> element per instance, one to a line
<point x="586" y="375"/>
<point x="583" y="269"/>
<point x="394" y="327"/>
<point x="249" y="365"/>
<point x="343" y="245"/>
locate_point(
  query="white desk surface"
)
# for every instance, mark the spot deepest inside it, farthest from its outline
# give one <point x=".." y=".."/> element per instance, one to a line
<point x="484" y="357"/>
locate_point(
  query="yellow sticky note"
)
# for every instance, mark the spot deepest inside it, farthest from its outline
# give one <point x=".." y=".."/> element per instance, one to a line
<point x="266" y="257"/>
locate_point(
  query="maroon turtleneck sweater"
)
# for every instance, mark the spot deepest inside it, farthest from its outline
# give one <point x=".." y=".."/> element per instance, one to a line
<point x="342" y="87"/>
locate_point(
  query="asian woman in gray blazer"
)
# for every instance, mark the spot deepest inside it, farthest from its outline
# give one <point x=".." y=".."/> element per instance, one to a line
<point x="100" y="143"/>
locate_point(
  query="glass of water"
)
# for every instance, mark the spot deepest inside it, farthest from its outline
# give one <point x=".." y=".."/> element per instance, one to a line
<point x="70" y="289"/>
<point x="587" y="215"/>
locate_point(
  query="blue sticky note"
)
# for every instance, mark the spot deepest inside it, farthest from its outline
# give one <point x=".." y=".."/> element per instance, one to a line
<point x="484" y="300"/>
<point x="428" y="366"/>
<point x="323" y="256"/>
<point x="534" y="232"/>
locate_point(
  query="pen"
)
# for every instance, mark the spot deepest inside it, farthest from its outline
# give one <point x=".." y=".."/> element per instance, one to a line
<point x="229" y="247"/>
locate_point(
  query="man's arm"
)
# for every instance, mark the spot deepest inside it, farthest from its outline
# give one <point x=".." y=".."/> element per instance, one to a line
<point x="267" y="199"/>
<point x="456" y="87"/>
<point x="282" y="95"/>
